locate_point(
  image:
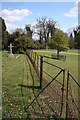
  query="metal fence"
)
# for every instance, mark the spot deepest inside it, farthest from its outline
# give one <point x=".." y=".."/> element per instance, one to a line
<point x="56" y="96"/>
<point x="72" y="97"/>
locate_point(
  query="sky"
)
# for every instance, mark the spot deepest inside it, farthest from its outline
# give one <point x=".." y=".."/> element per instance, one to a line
<point x="18" y="14"/>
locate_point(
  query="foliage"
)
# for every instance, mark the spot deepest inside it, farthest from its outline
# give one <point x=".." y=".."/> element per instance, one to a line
<point x="38" y="45"/>
<point x="77" y="37"/>
<point x="43" y="29"/>
<point x="23" y="42"/>
<point x="71" y="42"/>
<point x="59" y="41"/>
<point x="29" y="31"/>
<point x="4" y="34"/>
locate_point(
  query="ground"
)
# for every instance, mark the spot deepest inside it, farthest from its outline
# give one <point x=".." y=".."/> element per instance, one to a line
<point x="19" y="77"/>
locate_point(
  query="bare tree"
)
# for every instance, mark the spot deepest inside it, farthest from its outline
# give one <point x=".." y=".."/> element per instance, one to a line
<point x="44" y="29"/>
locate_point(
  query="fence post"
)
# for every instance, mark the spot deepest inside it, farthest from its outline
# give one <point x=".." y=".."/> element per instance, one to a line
<point x="35" y="58"/>
<point x="37" y="61"/>
<point x="67" y="96"/>
<point x="41" y="71"/>
<point x="31" y="53"/>
<point x="62" y="92"/>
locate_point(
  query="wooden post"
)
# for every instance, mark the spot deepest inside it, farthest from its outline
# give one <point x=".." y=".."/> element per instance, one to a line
<point x="41" y="71"/>
<point x="67" y="96"/>
<point x="62" y="92"/>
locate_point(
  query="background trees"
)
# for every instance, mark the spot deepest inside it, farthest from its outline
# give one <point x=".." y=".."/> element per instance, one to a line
<point x="49" y="36"/>
<point x="71" y="42"/>
<point x="4" y="34"/>
<point x="59" y="41"/>
<point x="44" y="29"/>
<point x="77" y="37"/>
<point x="23" y="42"/>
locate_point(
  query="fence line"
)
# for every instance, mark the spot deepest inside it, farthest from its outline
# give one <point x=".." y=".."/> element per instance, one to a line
<point x="71" y="107"/>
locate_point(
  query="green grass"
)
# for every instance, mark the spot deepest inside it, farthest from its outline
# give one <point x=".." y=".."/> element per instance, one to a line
<point x="71" y="63"/>
<point x="14" y="75"/>
<point x="18" y="74"/>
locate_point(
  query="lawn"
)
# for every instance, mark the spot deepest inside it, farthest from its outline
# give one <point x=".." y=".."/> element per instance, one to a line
<point x="15" y="98"/>
<point x="18" y="79"/>
<point x="71" y="62"/>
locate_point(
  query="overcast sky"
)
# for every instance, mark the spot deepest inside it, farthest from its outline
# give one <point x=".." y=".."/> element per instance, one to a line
<point x="18" y="14"/>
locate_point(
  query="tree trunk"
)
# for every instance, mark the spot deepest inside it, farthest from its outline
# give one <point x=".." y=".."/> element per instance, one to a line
<point x="58" y="54"/>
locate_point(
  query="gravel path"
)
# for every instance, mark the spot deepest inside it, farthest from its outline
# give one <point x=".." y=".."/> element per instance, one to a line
<point x="56" y="52"/>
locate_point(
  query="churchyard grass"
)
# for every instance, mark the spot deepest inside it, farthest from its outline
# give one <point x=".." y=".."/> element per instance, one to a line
<point x="71" y="62"/>
<point x="18" y="72"/>
<point x="14" y="97"/>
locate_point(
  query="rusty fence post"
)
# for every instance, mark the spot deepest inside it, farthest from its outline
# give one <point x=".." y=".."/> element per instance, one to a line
<point x="62" y="93"/>
<point x="67" y="95"/>
<point x="37" y="61"/>
<point x="31" y="54"/>
<point x="41" y="71"/>
<point x="35" y="58"/>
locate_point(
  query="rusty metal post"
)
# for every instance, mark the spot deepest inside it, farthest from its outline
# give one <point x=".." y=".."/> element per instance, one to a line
<point x="37" y="61"/>
<point x="62" y="92"/>
<point x="31" y="54"/>
<point x="67" y="95"/>
<point x="41" y="71"/>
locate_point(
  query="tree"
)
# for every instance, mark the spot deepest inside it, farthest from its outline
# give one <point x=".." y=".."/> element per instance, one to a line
<point x="59" y="41"/>
<point x="44" y="29"/>
<point x="29" y="31"/>
<point x="14" y="36"/>
<point x="77" y="37"/>
<point x="19" y="30"/>
<point x="71" y="41"/>
<point x="0" y="34"/>
<point x="4" y="34"/>
<point x="23" y="42"/>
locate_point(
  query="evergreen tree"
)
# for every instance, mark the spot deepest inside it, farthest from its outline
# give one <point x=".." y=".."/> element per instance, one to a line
<point x="4" y="34"/>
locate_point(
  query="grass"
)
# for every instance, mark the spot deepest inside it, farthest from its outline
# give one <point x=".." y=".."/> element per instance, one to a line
<point x="18" y="77"/>
<point x="14" y="75"/>
<point x="71" y="63"/>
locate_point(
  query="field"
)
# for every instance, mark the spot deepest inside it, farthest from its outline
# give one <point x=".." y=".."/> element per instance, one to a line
<point x="16" y="97"/>
<point x="18" y="78"/>
<point x="71" y="62"/>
